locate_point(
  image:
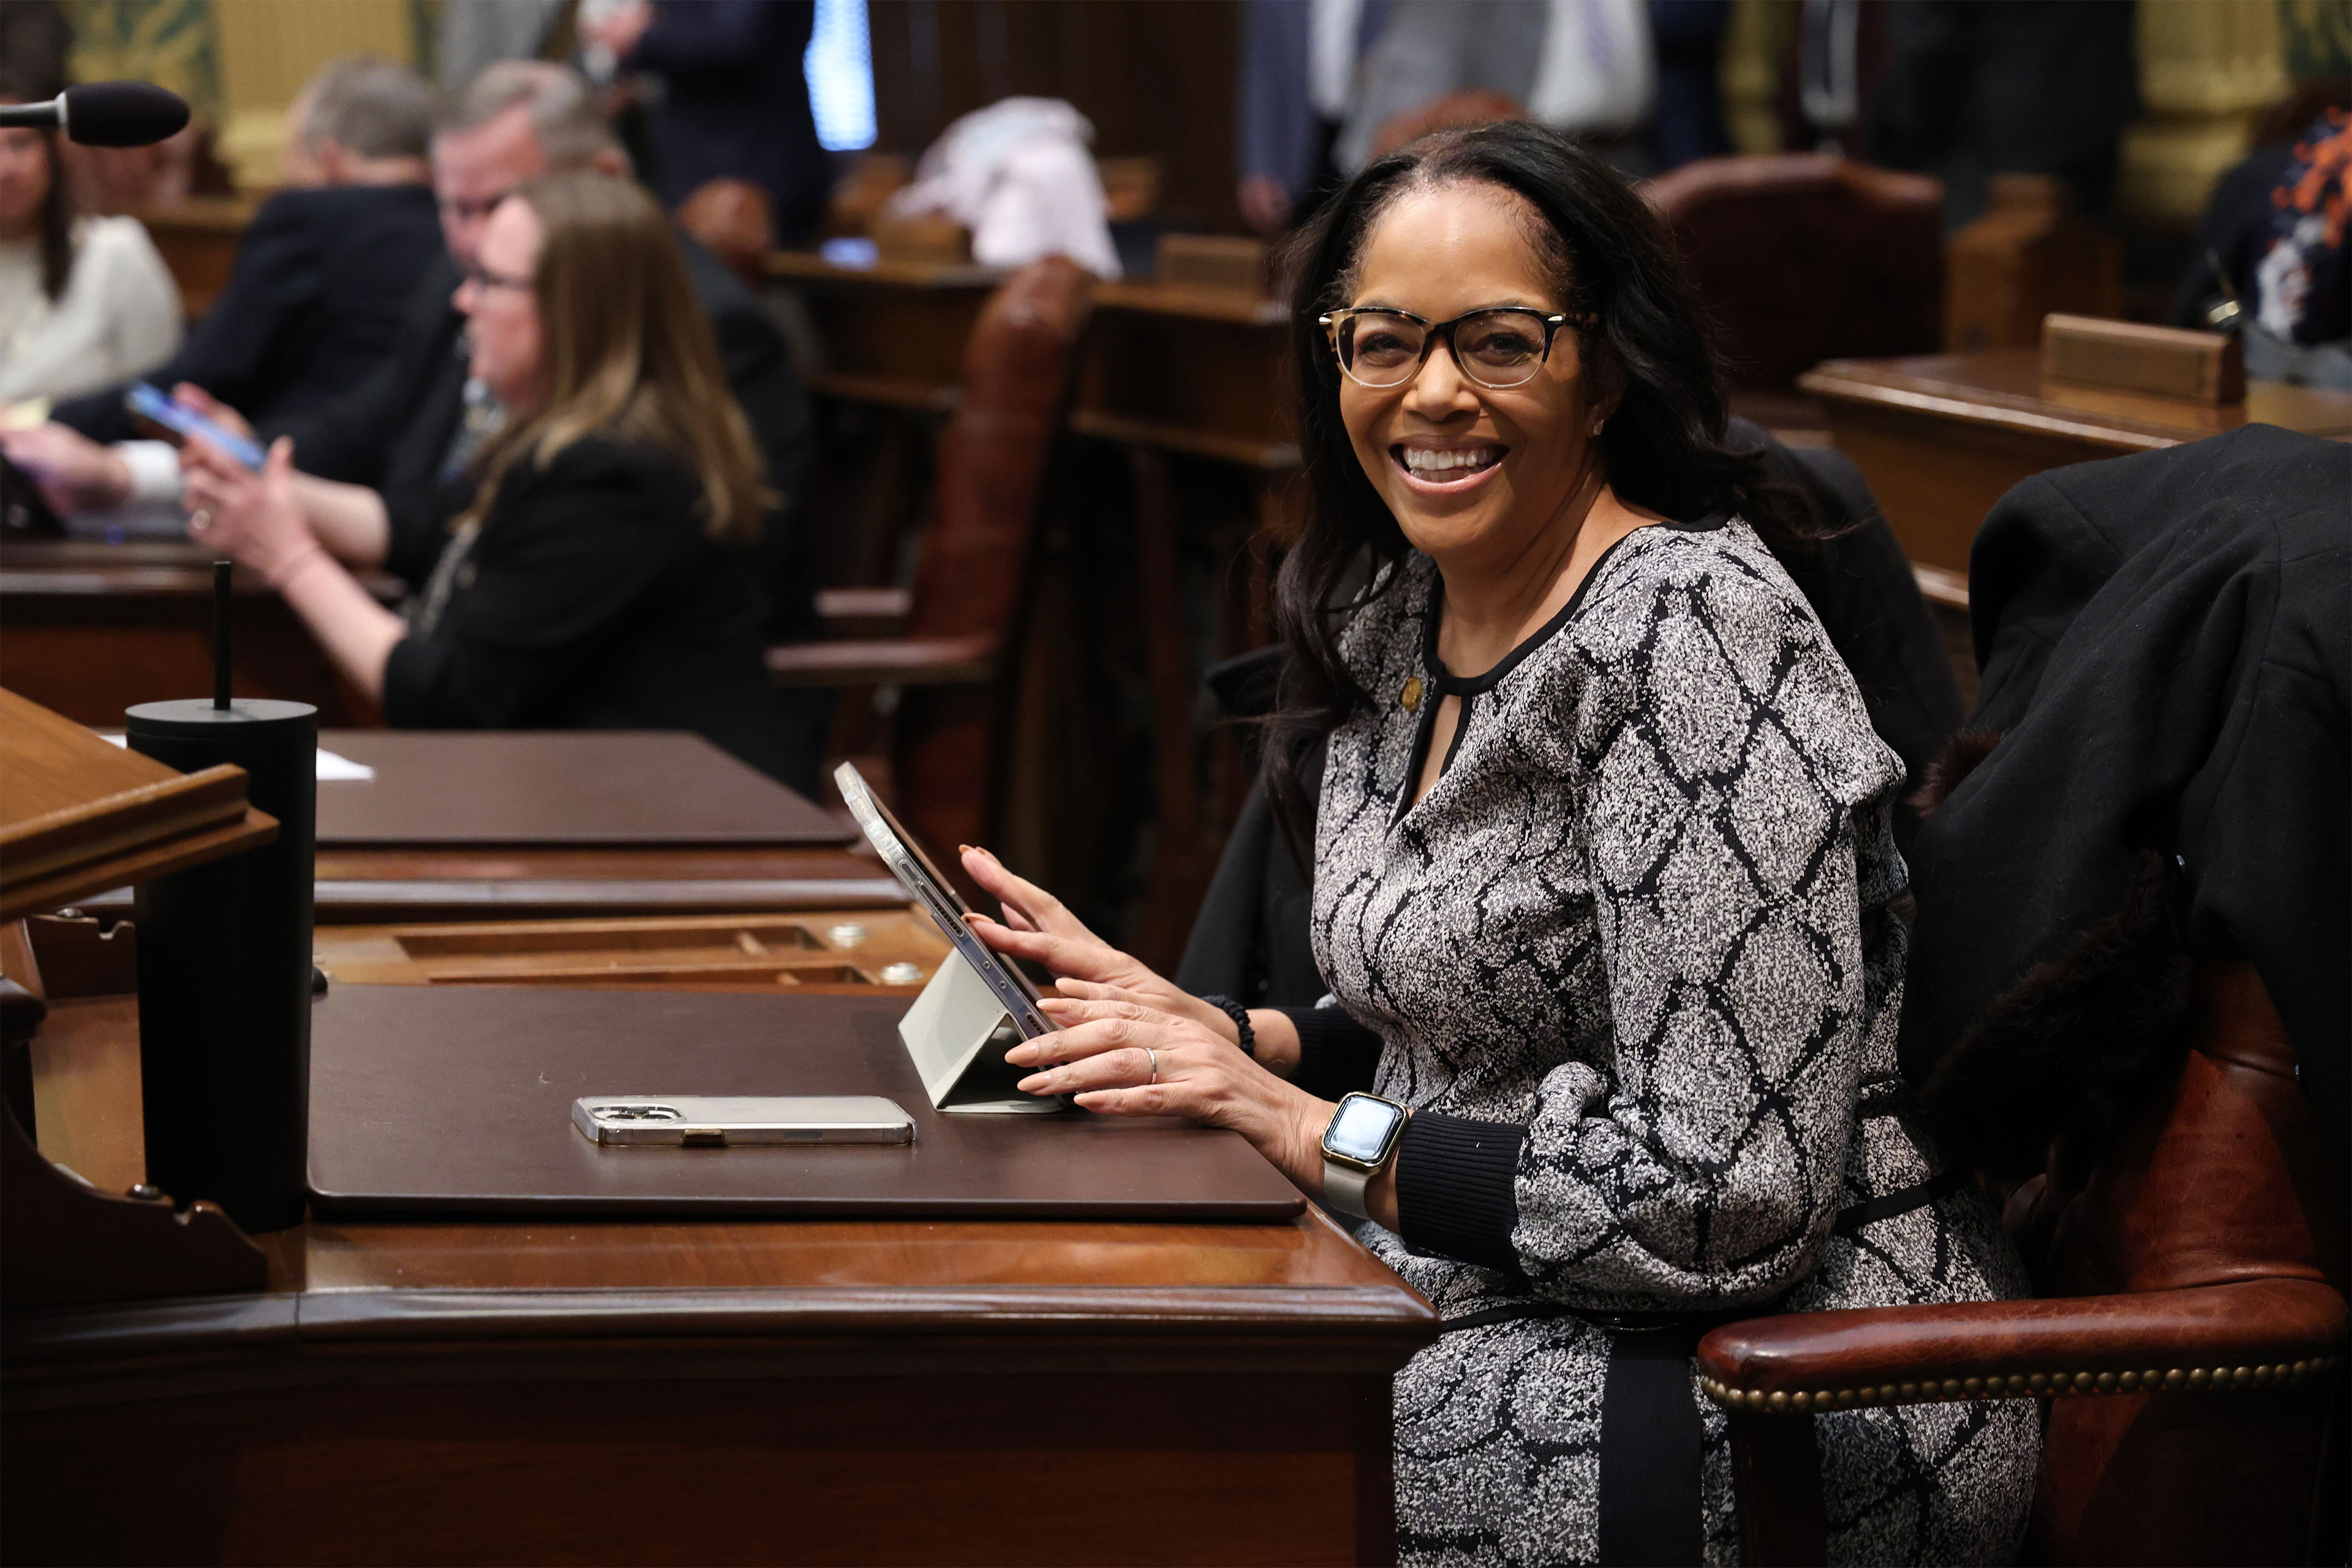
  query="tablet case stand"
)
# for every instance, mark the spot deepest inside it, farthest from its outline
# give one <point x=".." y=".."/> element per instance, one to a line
<point x="958" y="1032"/>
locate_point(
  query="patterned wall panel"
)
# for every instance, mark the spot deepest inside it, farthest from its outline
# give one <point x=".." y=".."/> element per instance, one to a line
<point x="270" y="47"/>
<point x="169" y="42"/>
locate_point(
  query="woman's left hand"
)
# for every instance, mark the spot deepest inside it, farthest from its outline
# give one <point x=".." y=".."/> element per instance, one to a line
<point x="1119" y="1054"/>
<point x="255" y="519"/>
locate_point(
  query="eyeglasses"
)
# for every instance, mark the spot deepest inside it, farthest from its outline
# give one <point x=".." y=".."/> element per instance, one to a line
<point x="1499" y="347"/>
<point x="482" y="278"/>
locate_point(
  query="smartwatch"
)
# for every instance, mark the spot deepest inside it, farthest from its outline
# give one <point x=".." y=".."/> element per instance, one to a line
<point x="1358" y="1145"/>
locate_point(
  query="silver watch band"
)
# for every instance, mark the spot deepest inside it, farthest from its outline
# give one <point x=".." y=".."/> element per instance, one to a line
<point x="1343" y="1187"/>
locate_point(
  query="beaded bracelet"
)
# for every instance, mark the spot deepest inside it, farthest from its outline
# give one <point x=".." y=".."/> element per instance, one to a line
<point x="1240" y="1015"/>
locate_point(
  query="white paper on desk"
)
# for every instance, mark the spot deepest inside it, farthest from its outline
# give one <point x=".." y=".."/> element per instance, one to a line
<point x="333" y="766"/>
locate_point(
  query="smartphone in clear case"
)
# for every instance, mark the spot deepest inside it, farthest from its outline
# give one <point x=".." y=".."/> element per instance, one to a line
<point x="720" y="1122"/>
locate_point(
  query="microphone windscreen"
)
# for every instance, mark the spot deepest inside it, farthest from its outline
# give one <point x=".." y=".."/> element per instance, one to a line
<point x="123" y="113"/>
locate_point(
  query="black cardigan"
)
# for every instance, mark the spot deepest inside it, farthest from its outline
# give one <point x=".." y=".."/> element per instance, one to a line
<point x="593" y="599"/>
<point x="2167" y="648"/>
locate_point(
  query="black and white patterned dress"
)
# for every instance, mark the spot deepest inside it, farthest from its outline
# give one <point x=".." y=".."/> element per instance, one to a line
<point x="1634" y="962"/>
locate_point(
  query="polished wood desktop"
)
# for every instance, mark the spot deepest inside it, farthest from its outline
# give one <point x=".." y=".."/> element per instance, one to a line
<point x="1941" y="437"/>
<point x="89" y="629"/>
<point x="574" y="863"/>
<point x="603" y="1391"/>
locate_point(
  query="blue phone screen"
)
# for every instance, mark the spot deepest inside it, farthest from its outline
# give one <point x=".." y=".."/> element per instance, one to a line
<point x="149" y="403"/>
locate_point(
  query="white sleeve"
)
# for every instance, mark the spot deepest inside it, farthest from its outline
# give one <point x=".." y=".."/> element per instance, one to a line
<point x="145" y="300"/>
<point x="120" y="316"/>
<point x="155" y="469"/>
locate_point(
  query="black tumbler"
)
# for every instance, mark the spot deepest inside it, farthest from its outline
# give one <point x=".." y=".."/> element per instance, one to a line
<point x="225" y="972"/>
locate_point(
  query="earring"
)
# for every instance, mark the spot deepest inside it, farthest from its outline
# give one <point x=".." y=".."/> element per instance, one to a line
<point x="1597" y="424"/>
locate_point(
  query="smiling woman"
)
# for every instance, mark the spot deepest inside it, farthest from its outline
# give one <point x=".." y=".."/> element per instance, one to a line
<point x="1606" y="895"/>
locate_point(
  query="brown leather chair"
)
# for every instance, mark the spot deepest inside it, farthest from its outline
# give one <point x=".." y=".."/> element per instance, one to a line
<point x="2191" y="1347"/>
<point x="734" y="221"/>
<point x="1807" y="257"/>
<point x="957" y="631"/>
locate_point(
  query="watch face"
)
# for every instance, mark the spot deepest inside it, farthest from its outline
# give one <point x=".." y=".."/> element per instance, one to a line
<point x="1361" y="1129"/>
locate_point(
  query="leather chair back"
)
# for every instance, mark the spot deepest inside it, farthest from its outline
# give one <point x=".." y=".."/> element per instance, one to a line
<point x="2221" y="1180"/>
<point x="971" y="578"/>
<point x="1806" y="256"/>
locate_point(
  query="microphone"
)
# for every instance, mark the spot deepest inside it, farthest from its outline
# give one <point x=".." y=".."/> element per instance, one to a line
<point x="105" y="114"/>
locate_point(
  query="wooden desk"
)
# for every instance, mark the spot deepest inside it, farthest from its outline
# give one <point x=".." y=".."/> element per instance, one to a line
<point x="836" y="1391"/>
<point x="682" y="865"/>
<point x="89" y="628"/>
<point x="884" y="342"/>
<point x="890" y="333"/>
<point x="1175" y="372"/>
<point x="1190" y="370"/>
<point x="1941" y="437"/>
<point x="843" y="951"/>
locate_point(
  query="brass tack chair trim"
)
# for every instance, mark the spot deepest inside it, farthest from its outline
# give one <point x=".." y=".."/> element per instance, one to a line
<point x="2020" y="1385"/>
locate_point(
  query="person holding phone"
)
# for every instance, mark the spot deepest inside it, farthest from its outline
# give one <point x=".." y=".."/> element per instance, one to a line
<point x="593" y="561"/>
<point x="1605" y="891"/>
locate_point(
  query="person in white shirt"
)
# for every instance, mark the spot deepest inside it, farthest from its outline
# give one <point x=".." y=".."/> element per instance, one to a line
<point x="299" y="303"/>
<point x="84" y="303"/>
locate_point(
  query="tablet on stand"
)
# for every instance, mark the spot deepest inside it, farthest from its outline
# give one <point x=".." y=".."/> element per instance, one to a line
<point x="977" y="1006"/>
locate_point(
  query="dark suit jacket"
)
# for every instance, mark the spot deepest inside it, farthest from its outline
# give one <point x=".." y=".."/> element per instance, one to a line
<point x="393" y="430"/>
<point x="2167" y="663"/>
<point x="313" y="303"/>
<point x="593" y="599"/>
<point x="737" y="104"/>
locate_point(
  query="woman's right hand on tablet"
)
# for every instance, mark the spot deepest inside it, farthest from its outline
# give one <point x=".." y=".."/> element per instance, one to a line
<point x="1038" y="928"/>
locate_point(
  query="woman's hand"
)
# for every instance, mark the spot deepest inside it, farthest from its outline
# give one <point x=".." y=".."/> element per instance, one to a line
<point x="75" y="473"/>
<point x="256" y="519"/>
<point x="1121" y="1055"/>
<point x="188" y="394"/>
<point x="1038" y="928"/>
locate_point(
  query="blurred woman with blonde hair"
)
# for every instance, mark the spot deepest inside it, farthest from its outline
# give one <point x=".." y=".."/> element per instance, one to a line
<point x="595" y="573"/>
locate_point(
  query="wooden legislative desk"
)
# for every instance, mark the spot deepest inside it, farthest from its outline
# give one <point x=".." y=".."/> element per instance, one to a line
<point x="890" y="333"/>
<point x="1941" y="437"/>
<point x="655" y="857"/>
<point x="709" y="1392"/>
<point x="1187" y="369"/>
<point x="663" y="871"/>
<point x="1175" y="373"/>
<point x="88" y="629"/>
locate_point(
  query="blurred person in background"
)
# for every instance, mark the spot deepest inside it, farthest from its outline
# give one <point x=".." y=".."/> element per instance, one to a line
<point x="1300" y="63"/>
<point x="412" y="427"/>
<point x="1687" y="124"/>
<point x="313" y="301"/>
<point x="84" y="301"/>
<point x="734" y="102"/>
<point x="1584" y="67"/>
<point x="2271" y="259"/>
<point x="589" y="573"/>
<point x="1973" y="89"/>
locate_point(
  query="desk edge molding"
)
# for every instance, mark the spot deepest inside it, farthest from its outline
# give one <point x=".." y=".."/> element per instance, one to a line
<point x="60" y="1336"/>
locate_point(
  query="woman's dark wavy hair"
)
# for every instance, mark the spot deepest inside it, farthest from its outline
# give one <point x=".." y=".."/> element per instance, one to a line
<point x="1642" y="332"/>
<point x="19" y="84"/>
